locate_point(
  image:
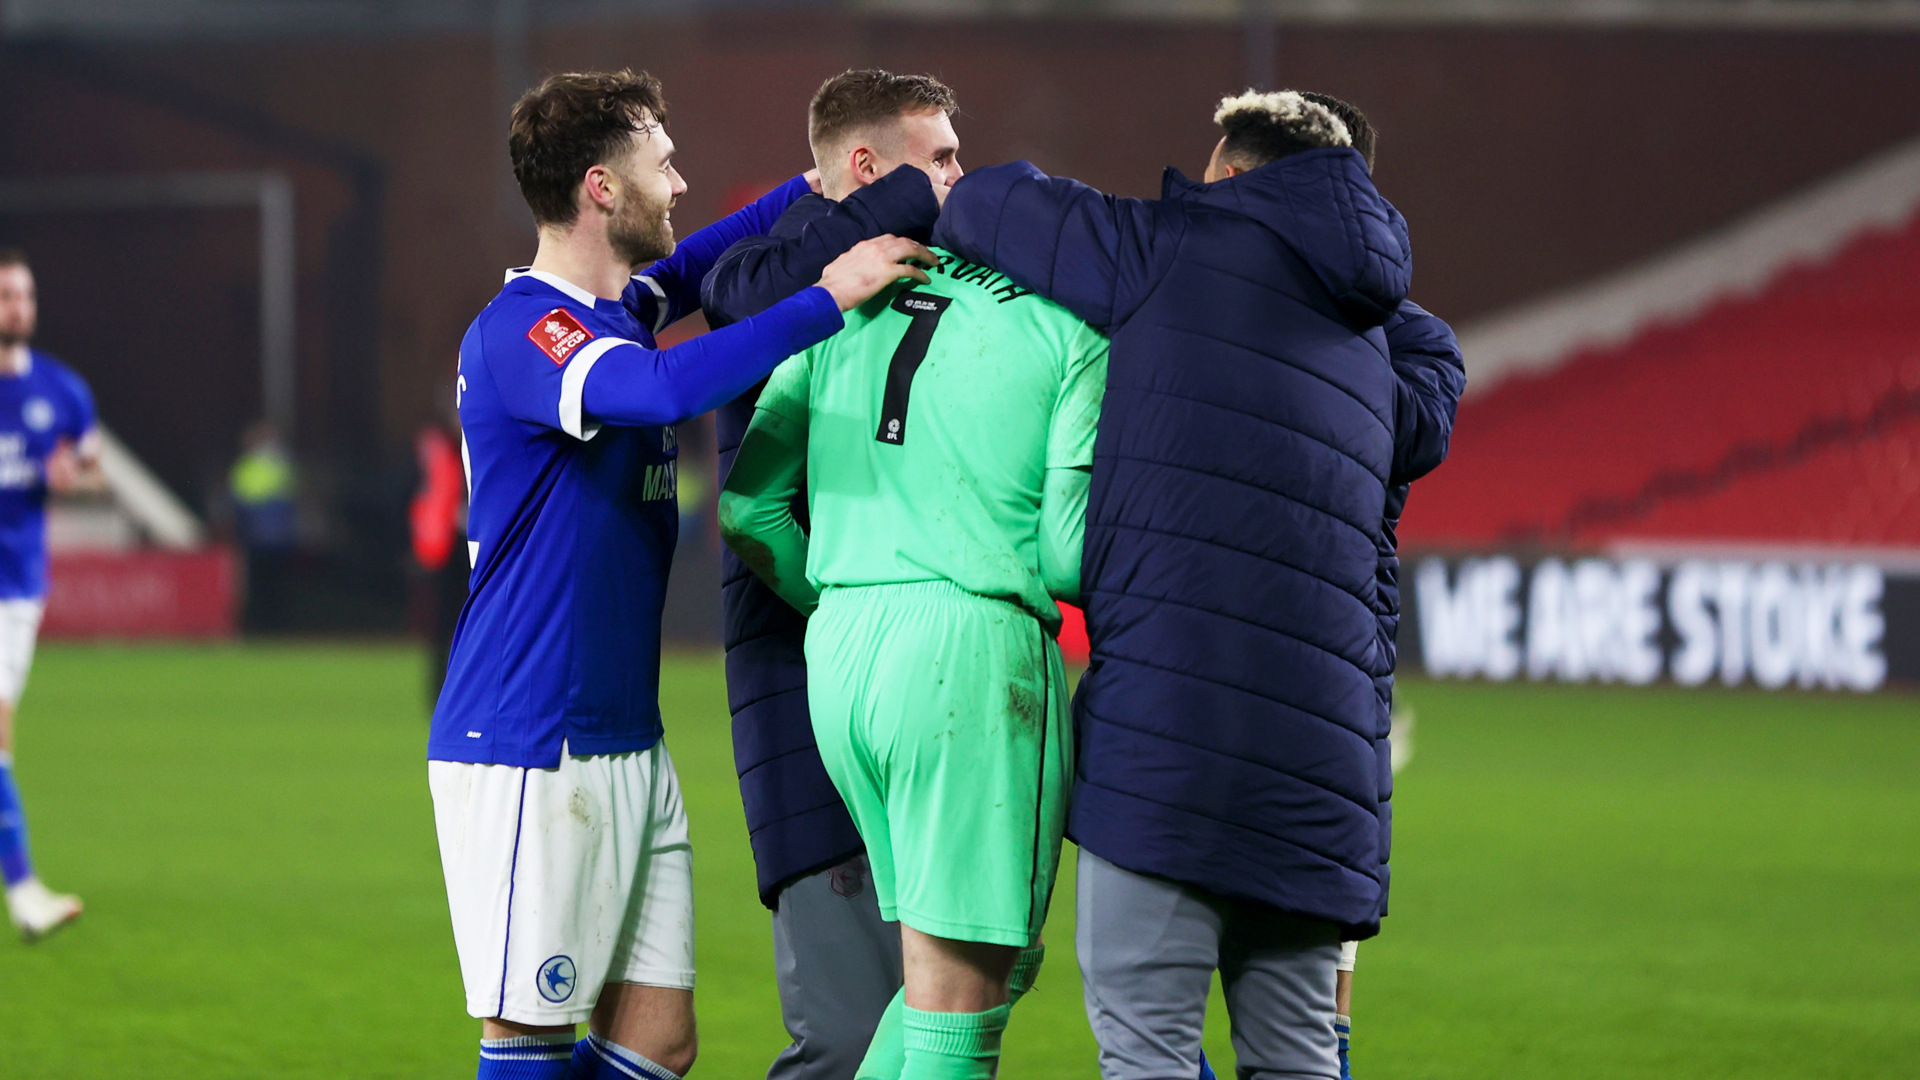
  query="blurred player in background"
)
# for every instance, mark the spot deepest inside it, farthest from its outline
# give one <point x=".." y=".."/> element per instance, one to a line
<point x="1231" y="795"/>
<point x="437" y="520"/>
<point x="263" y="485"/>
<point x="562" y="833"/>
<point x="47" y="443"/>
<point x="944" y="439"/>
<point x="886" y="151"/>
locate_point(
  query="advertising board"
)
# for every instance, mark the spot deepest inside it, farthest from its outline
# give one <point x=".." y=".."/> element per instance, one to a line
<point x="1834" y="624"/>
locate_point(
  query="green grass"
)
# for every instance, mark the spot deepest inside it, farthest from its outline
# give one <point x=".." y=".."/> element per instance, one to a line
<point x="1588" y="883"/>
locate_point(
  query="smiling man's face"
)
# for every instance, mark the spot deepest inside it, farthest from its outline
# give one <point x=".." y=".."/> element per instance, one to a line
<point x="641" y="229"/>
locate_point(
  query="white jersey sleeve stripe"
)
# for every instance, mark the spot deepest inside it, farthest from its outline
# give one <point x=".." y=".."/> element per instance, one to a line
<point x="574" y="383"/>
<point x="661" y="306"/>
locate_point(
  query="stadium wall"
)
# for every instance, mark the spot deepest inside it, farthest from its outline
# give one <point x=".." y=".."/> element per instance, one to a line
<point x="1528" y="159"/>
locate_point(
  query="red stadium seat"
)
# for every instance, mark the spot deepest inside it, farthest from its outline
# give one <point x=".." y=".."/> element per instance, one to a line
<point x="1790" y="415"/>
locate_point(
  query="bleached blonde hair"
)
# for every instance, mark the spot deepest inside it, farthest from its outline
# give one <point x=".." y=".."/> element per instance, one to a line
<point x="1303" y="120"/>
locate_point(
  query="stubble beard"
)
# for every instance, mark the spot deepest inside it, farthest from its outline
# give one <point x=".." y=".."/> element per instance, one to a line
<point x="641" y="233"/>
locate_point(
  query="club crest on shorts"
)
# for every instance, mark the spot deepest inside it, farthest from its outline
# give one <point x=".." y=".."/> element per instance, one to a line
<point x="847" y="880"/>
<point x="556" y="979"/>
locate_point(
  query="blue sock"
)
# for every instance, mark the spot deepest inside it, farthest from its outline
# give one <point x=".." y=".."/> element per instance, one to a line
<point x="1343" y="1028"/>
<point x="1206" y="1070"/>
<point x="594" y="1058"/>
<point x="529" y="1057"/>
<point x="15" y="866"/>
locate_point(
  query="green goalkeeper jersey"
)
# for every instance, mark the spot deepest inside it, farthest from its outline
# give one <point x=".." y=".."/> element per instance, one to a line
<point x="945" y="433"/>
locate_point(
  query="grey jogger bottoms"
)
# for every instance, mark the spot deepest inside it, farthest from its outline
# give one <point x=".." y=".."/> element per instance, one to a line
<point x="838" y="965"/>
<point x="1148" y="948"/>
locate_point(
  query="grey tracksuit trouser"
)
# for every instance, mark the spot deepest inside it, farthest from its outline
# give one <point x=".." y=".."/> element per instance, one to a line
<point x="1148" y="949"/>
<point x="838" y="965"/>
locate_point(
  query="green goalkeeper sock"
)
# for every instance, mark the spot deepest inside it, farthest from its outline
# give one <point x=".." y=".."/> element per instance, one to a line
<point x="887" y="1052"/>
<point x="953" y="1046"/>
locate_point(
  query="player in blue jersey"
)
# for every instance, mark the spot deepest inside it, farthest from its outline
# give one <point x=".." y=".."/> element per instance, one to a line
<point x="562" y="834"/>
<point x="47" y="443"/>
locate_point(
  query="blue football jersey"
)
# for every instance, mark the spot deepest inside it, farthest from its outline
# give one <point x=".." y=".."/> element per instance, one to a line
<point x="39" y="409"/>
<point x="573" y="510"/>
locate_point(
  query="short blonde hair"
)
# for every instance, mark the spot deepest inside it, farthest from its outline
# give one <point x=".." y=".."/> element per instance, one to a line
<point x="1263" y="127"/>
<point x="860" y="101"/>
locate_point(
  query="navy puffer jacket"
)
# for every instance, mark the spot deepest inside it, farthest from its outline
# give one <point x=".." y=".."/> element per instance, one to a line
<point x="1230" y="730"/>
<point x="1431" y="377"/>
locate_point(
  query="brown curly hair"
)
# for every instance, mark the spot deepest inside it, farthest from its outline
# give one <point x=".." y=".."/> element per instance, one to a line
<point x="570" y="123"/>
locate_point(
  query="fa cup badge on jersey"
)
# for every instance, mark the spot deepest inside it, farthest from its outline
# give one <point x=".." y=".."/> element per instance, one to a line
<point x="558" y="334"/>
<point x="37" y="414"/>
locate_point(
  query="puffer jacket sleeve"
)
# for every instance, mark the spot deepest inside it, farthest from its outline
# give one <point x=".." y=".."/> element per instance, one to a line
<point x="760" y="271"/>
<point x="1095" y="255"/>
<point x="1430" y="376"/>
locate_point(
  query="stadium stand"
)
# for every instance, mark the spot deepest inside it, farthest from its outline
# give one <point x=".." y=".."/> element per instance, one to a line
<point x="1761" y="386"/>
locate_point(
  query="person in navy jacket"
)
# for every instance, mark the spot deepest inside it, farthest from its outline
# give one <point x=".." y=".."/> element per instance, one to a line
<point x="1232" y="783"/>
<point x="886" y="152"/>
<point x="1432" y="375"/>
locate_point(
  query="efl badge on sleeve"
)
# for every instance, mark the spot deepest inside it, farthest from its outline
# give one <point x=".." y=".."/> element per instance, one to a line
<point x="558" y="333"/>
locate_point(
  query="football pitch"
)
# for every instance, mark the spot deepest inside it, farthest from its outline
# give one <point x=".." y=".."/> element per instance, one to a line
<point x="1588" y="883"/>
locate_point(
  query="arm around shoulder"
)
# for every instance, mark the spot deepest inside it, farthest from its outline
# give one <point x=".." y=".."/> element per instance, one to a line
<point x="1095" y="255"/>
<point x="637" y="386"/>
<point x="759" y="271"/>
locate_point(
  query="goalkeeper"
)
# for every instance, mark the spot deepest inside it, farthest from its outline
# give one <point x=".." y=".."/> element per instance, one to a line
<point x="945" y="438"/>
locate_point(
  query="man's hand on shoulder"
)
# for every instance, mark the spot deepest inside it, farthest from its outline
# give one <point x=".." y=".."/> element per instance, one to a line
<point x="812" y="177"/>
<point x="872" y="265"/>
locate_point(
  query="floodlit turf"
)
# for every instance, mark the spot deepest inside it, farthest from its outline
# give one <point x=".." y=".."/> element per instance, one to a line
<point x="1588" y="883"/>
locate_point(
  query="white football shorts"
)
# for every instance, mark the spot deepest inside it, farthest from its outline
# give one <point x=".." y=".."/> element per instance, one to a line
<point x="19" y="629"/>
<point x="563" y="880"/>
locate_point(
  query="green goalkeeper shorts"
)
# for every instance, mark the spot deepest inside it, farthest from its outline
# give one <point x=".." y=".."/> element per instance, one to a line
<point x="942" y="718"/>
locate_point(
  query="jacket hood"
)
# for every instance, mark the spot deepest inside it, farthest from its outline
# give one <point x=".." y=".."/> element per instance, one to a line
<point x="1323" y="205"/>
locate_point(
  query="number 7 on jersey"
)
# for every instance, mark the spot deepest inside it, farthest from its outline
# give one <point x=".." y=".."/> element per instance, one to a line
<point x="925" y="310"/>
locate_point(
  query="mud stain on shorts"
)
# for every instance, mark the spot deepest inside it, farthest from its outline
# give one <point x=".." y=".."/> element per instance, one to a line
<point x="1025" y="707"/>
<point x="1024" y="704"/>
